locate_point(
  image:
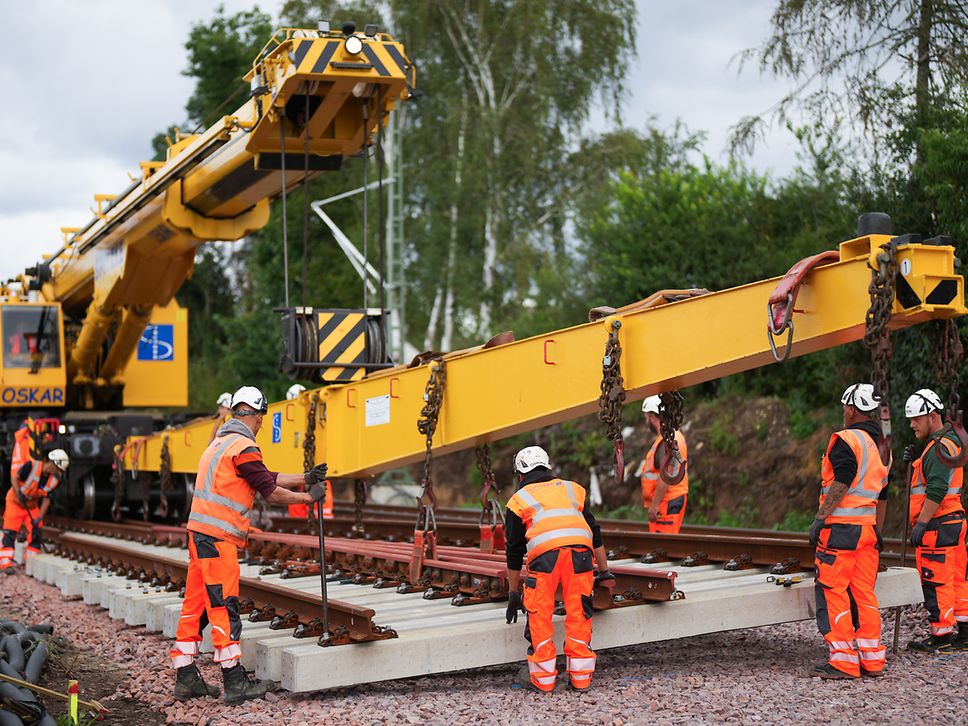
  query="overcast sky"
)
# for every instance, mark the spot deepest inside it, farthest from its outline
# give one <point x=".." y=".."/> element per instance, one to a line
<point x="87" y="84"/>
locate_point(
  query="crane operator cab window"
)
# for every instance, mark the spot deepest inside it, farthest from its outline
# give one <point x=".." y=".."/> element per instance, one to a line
<point x="31" y="336"/>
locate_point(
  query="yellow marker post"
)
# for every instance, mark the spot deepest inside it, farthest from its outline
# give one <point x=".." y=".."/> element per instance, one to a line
<point x="72" y="692"/>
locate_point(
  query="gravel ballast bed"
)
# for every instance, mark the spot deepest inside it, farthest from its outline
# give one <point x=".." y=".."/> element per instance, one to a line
<point x="758" y="675"/>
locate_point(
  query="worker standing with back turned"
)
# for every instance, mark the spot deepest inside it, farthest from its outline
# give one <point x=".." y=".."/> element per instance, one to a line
<point x="846" y="535"/>
<point x="666" y="502"/>
<point x="547" y="520"/>
<point x="938" y="520"/>
<point x="230" y="472"/>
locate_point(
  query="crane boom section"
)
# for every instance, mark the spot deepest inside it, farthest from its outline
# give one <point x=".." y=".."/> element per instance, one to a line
<point x="369" y="426"/>
<point x="316" y="99"/>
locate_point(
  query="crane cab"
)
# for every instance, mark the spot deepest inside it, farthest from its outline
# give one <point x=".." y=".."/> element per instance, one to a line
<point x="33" y="370"/>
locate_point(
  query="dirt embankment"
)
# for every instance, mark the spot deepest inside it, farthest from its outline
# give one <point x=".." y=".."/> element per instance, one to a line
<point x="753" y="462"/>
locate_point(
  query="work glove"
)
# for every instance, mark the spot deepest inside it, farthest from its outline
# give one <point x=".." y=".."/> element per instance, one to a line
<point x="605" y="579"/>
<point x="515" y="605"/>
<point x="917" y="534"/>
<point x="318" y="492"/>
<point x="37" y="523"/>
<point x="316" y="475"/>
<point x="815" y="532"/>
<point x="879" y="545"/>
<point x="910" y="453"/>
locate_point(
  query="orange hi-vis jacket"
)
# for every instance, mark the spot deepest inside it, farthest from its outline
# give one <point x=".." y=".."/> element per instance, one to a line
<point x="650" y="473"/>
<point x="859" y="504"/>
<point x="31" y="490"/>
<point x="952" y="498"/>
<point x="222" y="499"/>
<point x="552" y="515"/>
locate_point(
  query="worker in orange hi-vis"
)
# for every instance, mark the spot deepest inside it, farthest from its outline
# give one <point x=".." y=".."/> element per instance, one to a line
<point x="547" y="521"/>
<point x="230" y="472"/>
<point x="665" y="502"/>
<point x="27" y="502"/>
<point x="848" y="541"/>
<point x="938" y="525"/>
<point x="22" y="440"/>
<point x="223" y="413"/>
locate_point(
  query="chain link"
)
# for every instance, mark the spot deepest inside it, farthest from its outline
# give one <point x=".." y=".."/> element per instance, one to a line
<point x="309" y="444"/>
<point x="359" y="501"/>
<point x="483" y="454"/>
<point x="612" y="397"/>
<point x="165" y="469"/>
<point x="947" y="365"/>
<point x="427" y="424"/>
<point x="668" y="456"/>
<point x="877" y="337"/>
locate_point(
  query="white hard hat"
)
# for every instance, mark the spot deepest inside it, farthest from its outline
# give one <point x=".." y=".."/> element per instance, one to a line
<point x="251" y="396"/>
<point x="861" y="397"/>
<point x="60" y="459"/>
<point x="651" y="405"/>
<point x="294" y="390"/>
<point x="225" y="400"/>
<point x="531" y="457"/>
<point x="921" y="402"/>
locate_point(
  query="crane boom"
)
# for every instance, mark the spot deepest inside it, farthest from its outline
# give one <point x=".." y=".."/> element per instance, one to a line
<point x="369" y="426"/>
<point x="316" y="98"/>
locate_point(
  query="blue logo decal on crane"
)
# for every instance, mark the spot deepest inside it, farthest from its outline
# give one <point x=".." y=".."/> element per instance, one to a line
<point x="157" y="343"/>
<point x="277" y="427"/>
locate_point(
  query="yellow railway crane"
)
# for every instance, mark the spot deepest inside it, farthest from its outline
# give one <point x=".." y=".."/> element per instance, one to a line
<point x="95" y="327"/>
<point x="667" y="342"/>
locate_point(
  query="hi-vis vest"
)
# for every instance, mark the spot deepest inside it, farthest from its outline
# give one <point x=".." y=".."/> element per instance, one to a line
<point x="552" y="514"/>
<point x="21" y="449"/>
<point x="650" y="473"/>
<point x="222" y="499"/>
<point x="859" y="504"/>
<point x="919" y="490"/>
<point x="31" y="489"/>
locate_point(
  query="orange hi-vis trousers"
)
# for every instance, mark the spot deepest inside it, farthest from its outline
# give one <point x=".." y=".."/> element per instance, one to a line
<point x="943" y="563"/>
<point x="573" y="569"/>
<point x="847" y="611"/>
<point x="211" y="596"/>
<point x="670" y="515"/>
<point x="15" y="516"/>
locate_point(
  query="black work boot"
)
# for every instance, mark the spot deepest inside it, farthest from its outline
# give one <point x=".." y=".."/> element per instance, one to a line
<point x="960" y="641"/>
<point x="189" y="684"/>
<point x="239" y="687"/>
<point x="931" y="644"/>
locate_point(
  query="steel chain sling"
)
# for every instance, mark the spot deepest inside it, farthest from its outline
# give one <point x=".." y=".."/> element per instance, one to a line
<point x="309" y="446"/>
<point x="427" y="425"/>
<point x="947" y="370"/>
<point x="492" y="519"/>
<point x="669" y="460"/>
<point x="612" y="397"/>
<point x="165" y="474"/>
<point x="359" y="501"/>
<point x="117" y="478"/>
<point x="877" y="338"/>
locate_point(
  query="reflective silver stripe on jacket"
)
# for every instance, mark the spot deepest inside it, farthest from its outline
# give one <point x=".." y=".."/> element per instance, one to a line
<point x="583" y="534"/>
<point x="651" y="475"/>
<point x="216" y="460"/>
<point x="223" y="501"/>
<point x="33" y="478"/>
<point x="858" y="489"/>
<point x="549" y="513"/>
<point x="854" y="511"/>
<point x="219" y="524"/>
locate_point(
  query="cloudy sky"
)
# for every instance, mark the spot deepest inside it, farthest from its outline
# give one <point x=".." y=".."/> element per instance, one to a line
<point x="89" y="83"/>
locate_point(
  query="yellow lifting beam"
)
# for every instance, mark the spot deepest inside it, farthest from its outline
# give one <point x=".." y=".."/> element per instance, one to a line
<point x="370" y="425"/>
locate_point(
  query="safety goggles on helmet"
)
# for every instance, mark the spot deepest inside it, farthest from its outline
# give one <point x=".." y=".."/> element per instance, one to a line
<point x="921" y="402"/>
<point x="252" y="397"/>
<point x="530" y="458"/>
<point x="860" y="396"/>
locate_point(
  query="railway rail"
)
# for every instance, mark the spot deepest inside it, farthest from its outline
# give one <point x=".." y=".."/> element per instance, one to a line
<point x="135" y="570"/>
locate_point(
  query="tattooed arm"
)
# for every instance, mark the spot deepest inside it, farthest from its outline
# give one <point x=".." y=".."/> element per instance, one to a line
<point x="835" y="493"/>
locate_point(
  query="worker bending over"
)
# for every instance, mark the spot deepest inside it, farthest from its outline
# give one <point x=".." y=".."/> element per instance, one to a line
<point x="666" y="502"/>
<point x="846" y="535"/>
<point x="28" y="500"/>
<point x="938" y="521"/>
<point x="230" y="472"/>
<point x="547" y="520"/>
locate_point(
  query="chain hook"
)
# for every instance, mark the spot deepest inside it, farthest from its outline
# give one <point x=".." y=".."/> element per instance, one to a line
<point x="672" y="467"/>
<point x="612" y="397"/>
